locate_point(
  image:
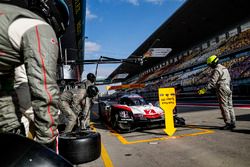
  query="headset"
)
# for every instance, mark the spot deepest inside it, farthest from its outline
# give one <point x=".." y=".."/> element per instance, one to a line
<point x="92" y="91"/>
<point x="91" y="77"/>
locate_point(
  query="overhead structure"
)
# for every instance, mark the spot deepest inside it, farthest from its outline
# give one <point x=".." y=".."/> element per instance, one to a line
<point x="194" y="22"/>
<point x="72" y="43"/>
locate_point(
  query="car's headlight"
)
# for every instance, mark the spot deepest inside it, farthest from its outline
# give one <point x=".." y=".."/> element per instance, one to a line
<point x="124" y="114"/>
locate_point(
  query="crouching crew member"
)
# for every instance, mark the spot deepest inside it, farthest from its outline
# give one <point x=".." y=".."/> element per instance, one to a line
<point x="72" y="102"/>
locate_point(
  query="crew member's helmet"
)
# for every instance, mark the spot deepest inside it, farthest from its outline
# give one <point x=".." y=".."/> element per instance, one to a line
<point x="20" y="3"/>
<point x="91" y="77"/>
<point x="55" y="12"/>
<point x="92" y="91"/>
<point x="212" y="61"/>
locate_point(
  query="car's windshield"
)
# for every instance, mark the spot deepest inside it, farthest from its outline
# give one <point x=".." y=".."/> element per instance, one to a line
<point x="138" y="101"/>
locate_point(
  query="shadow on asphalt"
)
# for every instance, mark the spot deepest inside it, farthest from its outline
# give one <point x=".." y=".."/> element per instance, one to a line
<point x="98" y="124"/>
<point x="245" y="131"/>
<point x="245" y="117"/>
<point x="183" y="109"/>
<point x="144" y="131"/>
<point x="203" y="126"/>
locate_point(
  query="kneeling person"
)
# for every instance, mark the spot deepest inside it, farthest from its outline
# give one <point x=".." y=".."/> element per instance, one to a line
<point x="73" y="101"/>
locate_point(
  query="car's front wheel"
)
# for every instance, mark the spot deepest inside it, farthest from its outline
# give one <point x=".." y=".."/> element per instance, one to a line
<point x="118" y="125"/>
<point x="114" y="121"/>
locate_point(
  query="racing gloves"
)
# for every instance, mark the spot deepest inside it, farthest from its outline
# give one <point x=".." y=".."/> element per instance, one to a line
<point x="202" y="91"/>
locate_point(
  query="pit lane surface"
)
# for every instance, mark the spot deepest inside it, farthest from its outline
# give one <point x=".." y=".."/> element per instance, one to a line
<point x="201" y="143"/>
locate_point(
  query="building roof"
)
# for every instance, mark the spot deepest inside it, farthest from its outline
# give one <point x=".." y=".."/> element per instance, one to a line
<point x="194" y="22"/>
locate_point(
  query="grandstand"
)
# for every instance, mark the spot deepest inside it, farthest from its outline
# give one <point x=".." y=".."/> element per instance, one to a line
<point x="195" y="31"/>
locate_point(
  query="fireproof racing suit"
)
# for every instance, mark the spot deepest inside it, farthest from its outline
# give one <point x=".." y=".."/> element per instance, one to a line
<point x="70" y="104"/>
<point x="25" y="38"/>
<point x="220" y="80"/>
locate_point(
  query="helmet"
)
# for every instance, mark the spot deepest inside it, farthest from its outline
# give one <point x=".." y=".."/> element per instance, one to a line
<point x="92" y="91"/>
<point x="20" y="3"/>
<point x="55" y="12"/>
<point x="91" y="77"/>
<point x="212" y="61"/>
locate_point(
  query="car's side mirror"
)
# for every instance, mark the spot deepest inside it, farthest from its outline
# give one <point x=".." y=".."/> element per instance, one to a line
<point x="150" y="104"/>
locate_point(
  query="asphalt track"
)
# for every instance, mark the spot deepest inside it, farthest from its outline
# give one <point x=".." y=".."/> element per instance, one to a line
<point x="201" y="143"/>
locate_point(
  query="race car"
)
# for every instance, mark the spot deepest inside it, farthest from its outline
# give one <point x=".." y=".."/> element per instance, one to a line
<point x="131" y="112"/>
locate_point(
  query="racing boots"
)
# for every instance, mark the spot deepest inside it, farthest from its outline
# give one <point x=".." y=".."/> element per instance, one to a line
<point x="228" y="126"/>
<point x="232" y="126"/>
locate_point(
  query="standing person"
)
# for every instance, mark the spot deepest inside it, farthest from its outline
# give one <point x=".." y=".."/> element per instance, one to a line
<point x="28" y="35"/>
<point x="91" y="78"/>
<point x="221" y="81"/>
<point x="73" y="101"/>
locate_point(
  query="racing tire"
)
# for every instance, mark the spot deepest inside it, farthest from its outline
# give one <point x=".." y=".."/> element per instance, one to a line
<point x="114" y="121"/>
<point x="21" y="151"/>
<point x="80" y="147"/>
